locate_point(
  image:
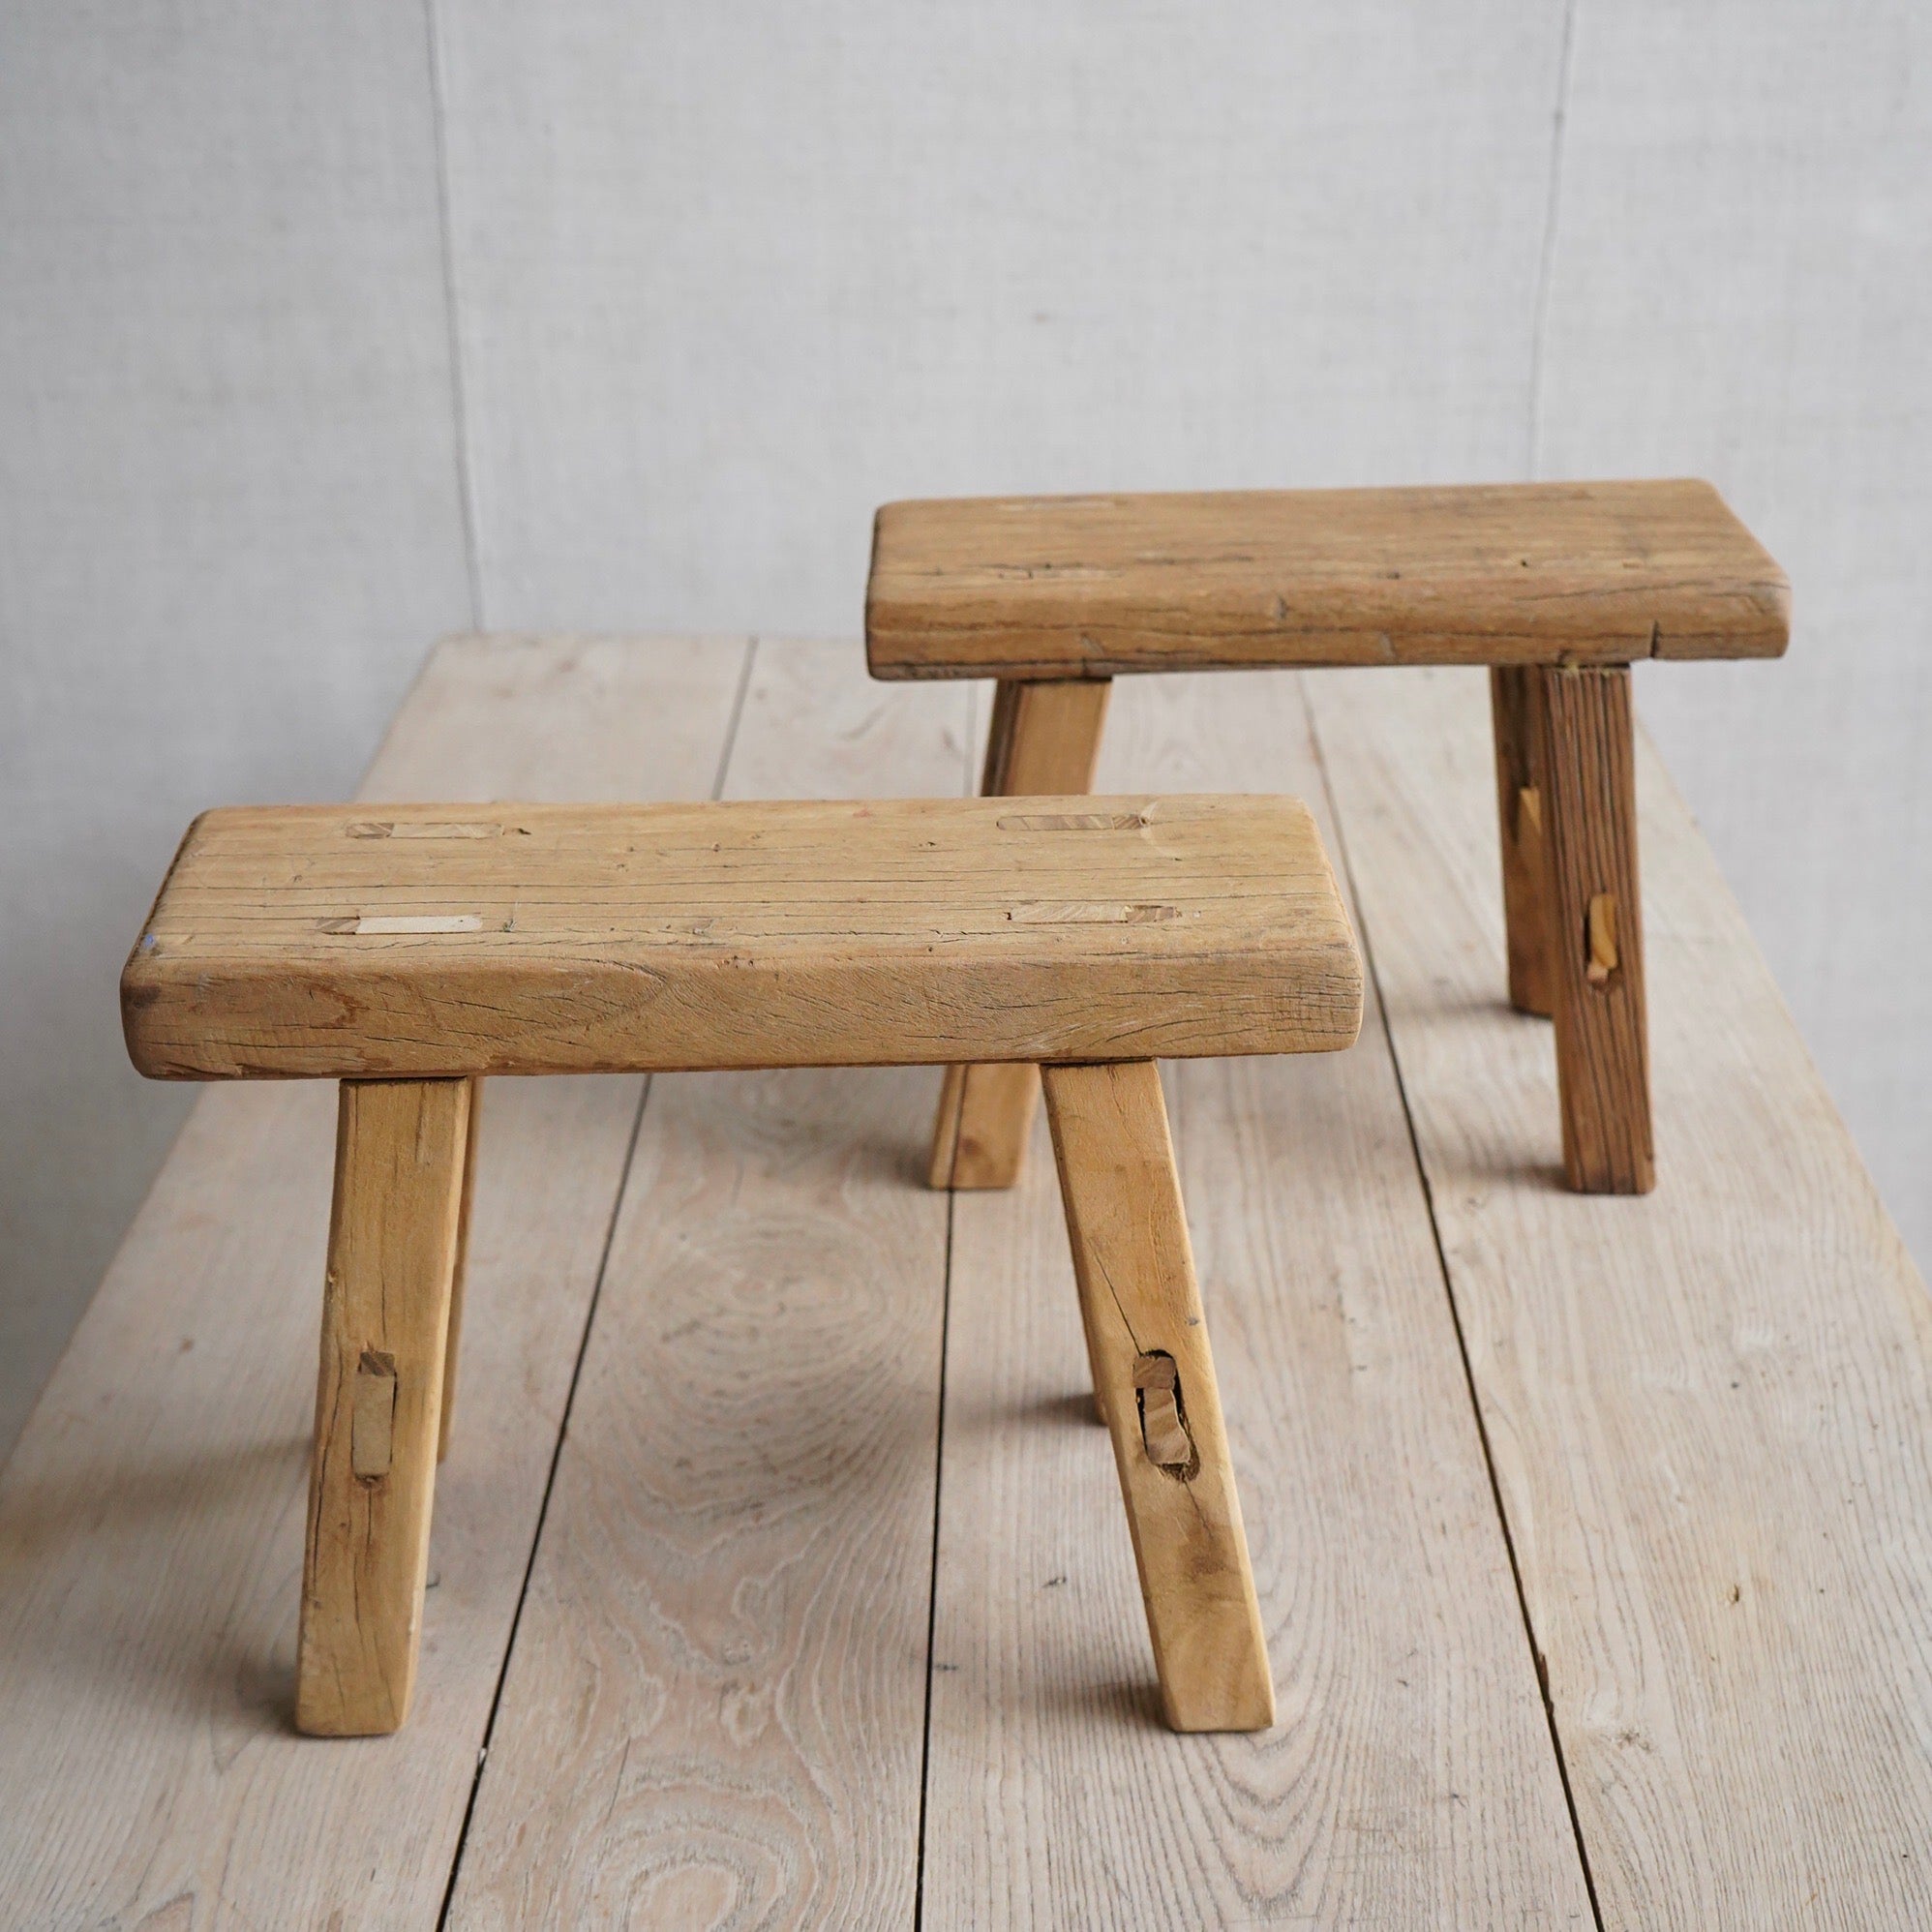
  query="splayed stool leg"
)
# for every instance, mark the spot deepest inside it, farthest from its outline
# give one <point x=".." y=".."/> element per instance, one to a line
<point x="1147" y="1341"/>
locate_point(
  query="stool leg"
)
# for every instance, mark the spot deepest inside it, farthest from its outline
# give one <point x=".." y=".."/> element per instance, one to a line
<point x="400" y="1153"/>
<point x="1045" y="739"/>
<point x="1516" y="704"/>
<point x="1603" y="1072"/>
<point x="1147" y="1341"/>
<point x="446" y="1421"/>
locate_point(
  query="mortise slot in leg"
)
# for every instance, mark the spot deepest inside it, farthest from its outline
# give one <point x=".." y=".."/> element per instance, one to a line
<point x="1043" y="741"/>
<point x="400" y="1153"/>
<point x="1164" y="1421"/>
<point x="1147" y="1343"/>
<point x="372" y="1437"/>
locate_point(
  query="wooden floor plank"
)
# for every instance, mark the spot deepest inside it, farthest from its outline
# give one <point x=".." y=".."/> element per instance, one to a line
<point x="1711" y="1408"/>
<point x="1710" y="1411"/>
<point x="151" y="1513"/>
<point x="714" y="1713"/>
<point x="1410" y="1780"/>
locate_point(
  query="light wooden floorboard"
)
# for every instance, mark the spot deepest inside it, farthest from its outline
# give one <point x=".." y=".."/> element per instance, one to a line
<point x="1711" y="1408"/>
<point x="1410" y="1780"/>
<point x="151" y="1513"/>
<point x="1710" y="1412"/>
<point x="713" y="1714"/>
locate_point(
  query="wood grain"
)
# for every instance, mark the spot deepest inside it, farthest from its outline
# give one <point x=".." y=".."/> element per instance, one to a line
<point x="713" y="1715"/>
<point x="1152" y="1370"/>
<point x="1516" y="722"/>
<point x="1042" y="739"/>
<point x="1708" y="1412"/>
<point x="1710" y="1407"/>
<point x="1533" y="573"/>
<point x="1410" y="1780"/>
<point x="1595" y="929"/>
<point x="452" y="1351"/>
<point x="402" y="1151"/>
<point x="982" y="1124"/>
<point x="151" y="1516"/>
<point x="536" y="939"/>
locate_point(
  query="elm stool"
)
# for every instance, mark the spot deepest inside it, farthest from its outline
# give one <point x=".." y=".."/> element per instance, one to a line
<point x="410" y="955"/>
<point x="1558" y="587"/>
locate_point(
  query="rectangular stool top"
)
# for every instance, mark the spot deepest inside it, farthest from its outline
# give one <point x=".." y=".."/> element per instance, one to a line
<point x="439" y="940"/>
<point x="1533" y="573"/>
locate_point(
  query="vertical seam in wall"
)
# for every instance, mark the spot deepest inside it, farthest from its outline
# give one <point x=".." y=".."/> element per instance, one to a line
<point x="466" y="471"/>
<point x="1547" y="256"/>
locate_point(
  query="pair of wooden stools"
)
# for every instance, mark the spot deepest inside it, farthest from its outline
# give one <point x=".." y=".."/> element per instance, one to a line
<point x="411" y="953"/>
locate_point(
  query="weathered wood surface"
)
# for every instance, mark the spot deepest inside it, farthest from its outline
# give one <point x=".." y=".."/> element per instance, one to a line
<point x="1410" y="1780"/>
<point x="1710" y="1407"/>
<point x="151" y="1516"/>
<point x="1516" y="722"/>
<point x="1594" y="927"/>
<point x="1708" y="1412"/>
<point x="546" y="939"/>
<point x="715" y="1712"/>
<point x="1072" y="587"/>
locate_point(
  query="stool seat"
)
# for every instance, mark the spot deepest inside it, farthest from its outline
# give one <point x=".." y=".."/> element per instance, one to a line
<point x="440" y="940"/>
<point x="1534" y="573"/>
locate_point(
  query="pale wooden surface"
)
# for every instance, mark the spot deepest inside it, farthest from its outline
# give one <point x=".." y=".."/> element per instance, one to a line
<point x="1409" y="1781"/>
<point x="402" y="1152"/>
<point x="1710" y="1407"/>
<point x="1736" y="1761"/>
<point x="715" y="1716"/>
<point x="549" y="939"/>
<point x="151" y="1515"/>
<point x="1069" y="586"/>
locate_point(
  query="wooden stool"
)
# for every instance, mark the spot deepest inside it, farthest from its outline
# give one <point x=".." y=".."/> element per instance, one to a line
<point x="1558" y="587"/>
<point x="409" y="954"/>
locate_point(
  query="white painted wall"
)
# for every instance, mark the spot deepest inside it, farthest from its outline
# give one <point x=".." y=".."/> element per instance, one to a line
<point x="325" y="330"/>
